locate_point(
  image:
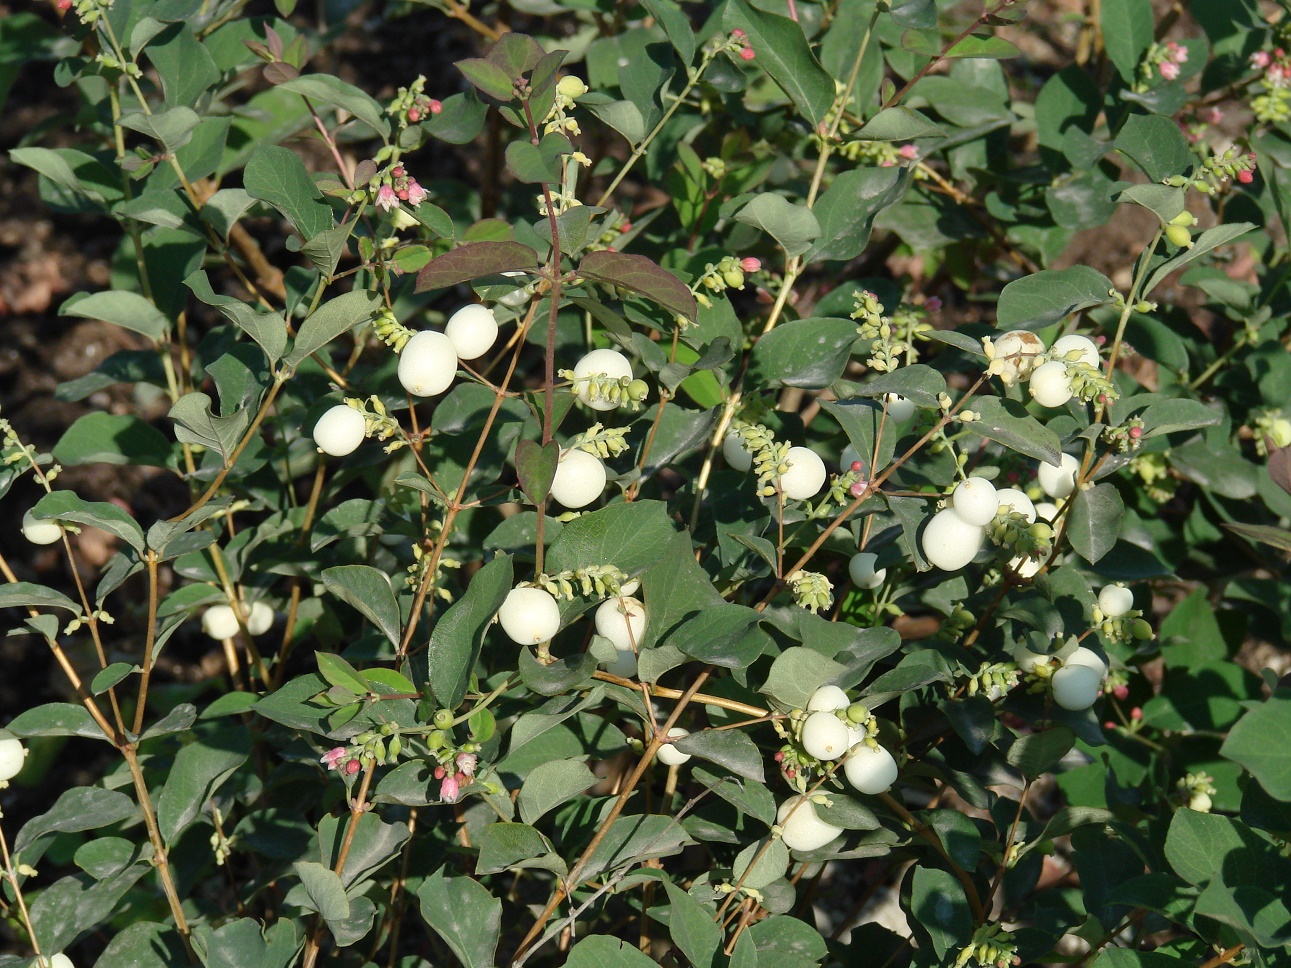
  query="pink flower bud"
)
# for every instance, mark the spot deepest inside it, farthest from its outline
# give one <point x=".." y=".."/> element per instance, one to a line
<point x="1260" y="59"/>
<point x="1169" y="70"/>
<point x="450" y="789"/>
<point x="625" y="227"/>
<point x="1136" y="433"/>
<point x="1109" y="725"/>
<point x="779" y="757"/>
<point x="790" y="773"/>
<point x="750" y="264"/>
<point x="351" y="767"/>
<point x="746" y="53"/>
<point x="403" y="194"/>
<point x="932" y="304"/>
<point x="1121" y="692"/>
<point x="435" y="106"/>
<point x="1136" y="714"/>
<point x="908" y="152"/>
<point x="857" y="489"/>
<point x="397" y="171"/>
<point x="1246" y="177"/>
<point x="440" y="773"/>
<point x="740" y="35"/>
<point x="414" y="115"/>
<point x="857" y="466"/>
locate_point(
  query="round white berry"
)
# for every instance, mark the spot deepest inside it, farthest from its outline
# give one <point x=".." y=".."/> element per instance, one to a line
<point x="579" y="480"/>
<point x="630" y="586"/>
<point x="220" y="622"/>
<point x="1046" y="511"/>
<point x="1087" y="658"/>
<point x="824" y="736"/>
<point x="827" y="699"/>
<point x="1087" y="348"/>
<point x="529" y="616"/>
<point x="259" y="618"/>
<point x="805" y="476"/>
<point x="1076" y="687"/>
<point x="623" y="622"/>
<point x="1051" y="384"/>
<point x="1026" y="659"/>
<point x="733" y="450"/>
<point x="668" y="754"/>
<point x="340" y="431"/>
<point x="427" y="364"/>
<point x="40" y="532"/>
<point x="60" y="960"/>
<point x="472" y="330"/>
<point x="801" y="828"/>
<point x="1011" y="499"/>
<point x="949" y="542"/>
<point x="975" y="500"/>
<point x="623" y="665"/>
<point x="609" y="363"/>
<point x="1115" y="600"/>
<point x="870" y="770"/>
<point x="899" y="408"/>
<point x="1015" y="354"/>
<point x="1059" y="481"/>
<point x="12" y="755"/>
<point x="862" y="571"/>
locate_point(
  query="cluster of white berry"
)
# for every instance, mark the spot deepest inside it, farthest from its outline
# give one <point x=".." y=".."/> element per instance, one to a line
<point x="1070" y="367"/>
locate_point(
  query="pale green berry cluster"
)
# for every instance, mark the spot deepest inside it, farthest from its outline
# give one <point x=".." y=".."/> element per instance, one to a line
<point x="594" y="581"/>
<point x="811" y="590"/>
<point x="621" y="391"/>
<point x="991" y="947"/>
<point x="387" y="328"/>
<point x="600" y="441"/>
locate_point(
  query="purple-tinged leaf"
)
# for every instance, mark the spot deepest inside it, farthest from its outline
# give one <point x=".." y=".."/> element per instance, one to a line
<point x="639" y="274"/>
<point x="473" y="261"/>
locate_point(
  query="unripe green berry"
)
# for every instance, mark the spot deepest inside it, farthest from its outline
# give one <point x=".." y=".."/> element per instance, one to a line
<point x="1179" y="236"/>
<point x="443" y="718"/>
<point x="638" y="390"/>
<point x="1140" y="629"/>
<point x="436" y="739"/>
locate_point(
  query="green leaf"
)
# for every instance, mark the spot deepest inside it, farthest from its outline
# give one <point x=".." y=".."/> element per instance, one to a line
<point x="171" y="129"/>
<point x="1209" y="240"/>
<point x="1197" y="844"/>
<point x="369" y="591"/>
<point x="633" y="537"/>
<point x="222" y="211"/>
<point x="1156" y="145"/>
<point x="1257" y="913"/>
<point x="1095" y="521"/>
<point x="108" y="677"/>
<point x="458" y="635"/>
<point x="325" y="890"/>
<point x="107" y="438"/>
<point x="939" y="905"/>
<point x="196" y="423"/>
<point x="515" y="846"/>
<point x="77" y="809"/>
<point x="602" y="951"/>
<point x="56" y="719"/>
<point x="1127" y="33"/>
<point x="1007" y="422"/>
<point x="465" y="914"/>
<point x="536" y="466"/>
<point x="631" y="840"/>
<point x="243" y="942"/>
<point x="847" y="208"/>
<point x="1050" y="296"/>
<point x="810" y="353"/>
<point x="1279" y="538"/>
<point x="332" y="90"/>
<point x="1171" y="416"/>
<point x="727" y="747"/>
<point x="899" y="124"/>
<point x="550" y="784"/>
<point x="755" y="872"/>
<point x="783" y="52"/>
<point x="1163" y="201"/>
<point x="1035" y="753"/>
<point x="25" y="594"/>
<point x="267" y="329"/>
<point x="726" y="635"/>
<point x="144" y="944"/>
<point x="642" y="275"/>
<point x="788" y="943"/>
<point x="198" y="771"/>
<point x="330" y="320"/>
<point x="66" y="506"/>
<point x="474" y="260"/>
<point x="538" y="163"/>
<point x="277" y="175"/>
<point x="920" y="384"/>
<point x="623" y="116"/>
<point x="125" y="309"/>
<point x="1261" y="742"/>
<point x="793" y="226"/>
<point x="796" y="673"/>
<point x="753" y="799"/>
<point x="676" y="26"/>
<point x="487" y="78"/>
<point x="55" y="166"/>
<point x="692" y="927"/>
<point x="340" y="673"/>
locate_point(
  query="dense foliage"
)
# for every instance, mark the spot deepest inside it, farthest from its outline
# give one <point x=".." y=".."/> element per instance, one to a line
<point x="852" y="545"/>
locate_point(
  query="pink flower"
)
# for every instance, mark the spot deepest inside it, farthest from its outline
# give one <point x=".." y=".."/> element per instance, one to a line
<point x="625" y="227"/>
<point x="386" y="198"/>
<point x="466" y="763"/>
<point x="1169" y="70"/>
<point x="739" y="35"/>
<point x="1214" y="115"/>
<point x="1260" y="60"/>
<point x="416" y="194"/>
<point x="932" y="304"/>
<point x="450" y="789"/>
<point x="435" y="106"/>
<point x="1178" y="52"/>
<point x="908" y="152"/>
<point x="746" y="53"/>
<point x="750" y="264"/>
<point x="886" y="163"/>
<point x="858" y="488"/>
<point x="1109" y="725"/>
<point x="332" y="757"/>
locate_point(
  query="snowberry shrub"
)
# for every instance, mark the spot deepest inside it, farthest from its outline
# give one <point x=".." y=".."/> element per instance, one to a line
<point x="767" y="323"/>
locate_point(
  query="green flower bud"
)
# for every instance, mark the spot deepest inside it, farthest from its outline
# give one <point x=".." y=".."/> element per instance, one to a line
<point x="858" y="713"/>
<point x="733" y="278"/>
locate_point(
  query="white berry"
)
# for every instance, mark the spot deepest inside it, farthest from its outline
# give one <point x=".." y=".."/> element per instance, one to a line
<point x="1059" y="481"/>
<point x="1046" y="511"/>
<point x="975" y="501"/>
<point x="610" y="363"/>
<point x="623" y="665"/>
<point x="827" y="699"/>
<point x="801" y="829"/>
<point x="862" y="571"/>
<point x="1051" y="384"/>
<point x="623" y="622"/>
<point x="12" y="755"/>
<point x="949" y="542"/>
<point x="259" y="618"/>
<point x="529" y="616"/>
<point x="1015" y="354"/>
<point x="1087" y="348"/>
<point x="870" y="770"/>
<point x="340" y="431"/>
<point x="1011" y="499"/>
<point x="733" y="450"/>
<point x="473" y="331"/>
<point x="60" y="960"/>
<point x="427" y="364"/>
<point x="40" y="532"/>
<point x="824" y="736"/>
<point x="899" y="408"/>
<point x="579" y="480"/>
<point x="220" y="622"/>
<point x="668" y="754"/>
<point x="1115" y="600"/>
<point x="1076" y="687"/>
<point x="805" y="476"/>
<point x="1087" y="658"/>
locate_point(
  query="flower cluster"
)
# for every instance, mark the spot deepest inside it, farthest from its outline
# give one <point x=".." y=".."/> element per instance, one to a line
<point x="739" y="43"/>
<point x="389" y="190"/>
<point x="1215" y="173"/>
<point x="811" y="590"/>
<point x="1164" y="60"/>
<point x="878" y="154"/>
<point x="891" y="337"/>
<point x="1271" y="430"/>
<point x="411" y="105"/>
<point x="594" y="581"/>
<point x="723" y="275"/>
<point x="991" y="947"/>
